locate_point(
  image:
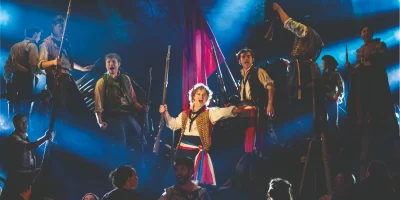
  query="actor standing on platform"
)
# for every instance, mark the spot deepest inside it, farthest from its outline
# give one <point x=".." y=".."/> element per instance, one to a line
<point x="334" y="91"/>
<point x="68" y="101"/>
<point x="60" y="64"/>
<point x="257" y="94"/>
<point x="303" y="69"/>
<point x="20" y="70"/>
<point x="256" y="91"/>
<point x="370" y="109"/>
<point x="369" y="105"/>
<point x="115" y="103"/>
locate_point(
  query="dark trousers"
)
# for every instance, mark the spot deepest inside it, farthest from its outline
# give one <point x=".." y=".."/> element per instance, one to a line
<point x="124" y="130"/>
<point x="69" y="107"/>
<point x="311" y="104"/>
<point x="301" y="117"/>
<point x="332" y="113"/>
<point x="332" y="137"/>
<point x="68" y="96"/>
<point x="123" y="140"/>
<point x="22" y="87"/>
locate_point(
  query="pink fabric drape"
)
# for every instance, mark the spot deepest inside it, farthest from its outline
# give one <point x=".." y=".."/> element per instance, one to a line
<point x="198" y="60"/>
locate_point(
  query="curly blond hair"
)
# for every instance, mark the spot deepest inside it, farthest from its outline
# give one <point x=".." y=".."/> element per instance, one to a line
<point x="199" y="86"/>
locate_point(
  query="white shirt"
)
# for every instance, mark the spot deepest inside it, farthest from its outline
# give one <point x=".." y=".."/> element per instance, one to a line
<point x="263" y="77"/>
<point x="214" y="114"/>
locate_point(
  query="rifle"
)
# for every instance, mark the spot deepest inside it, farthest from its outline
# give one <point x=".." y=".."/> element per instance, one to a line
<point x="65" y="27"/>
<point x="46" y="162"/>
<point x="156" y="147"/>
<point x="56" y="70"/>
<point x="55" y="92"/>
<point x="347" y="55"/>
<point x="219" y="75"/>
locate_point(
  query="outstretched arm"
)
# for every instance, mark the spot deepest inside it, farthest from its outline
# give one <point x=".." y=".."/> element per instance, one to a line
<point x="299" y="29"/>
<point x="29" y="146"/>
<point x="284" y="17"/>
<point x="83" y="69"/>
<point x="216" y="114"/>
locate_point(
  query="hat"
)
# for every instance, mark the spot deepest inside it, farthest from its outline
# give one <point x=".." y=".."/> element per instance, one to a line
<point x="331" y="60"/>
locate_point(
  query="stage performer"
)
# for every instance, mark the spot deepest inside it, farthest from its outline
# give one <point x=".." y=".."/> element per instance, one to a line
<point x="257" y="93"/>
<point x="68" y="94"/>
<point x="370" y="109"/>
<point x="333" y="88"/>
<point x="196" y="124"/>
<point x="303" y="68"/>
<point x="20" y="70"/>
<point x="115" y="104"/>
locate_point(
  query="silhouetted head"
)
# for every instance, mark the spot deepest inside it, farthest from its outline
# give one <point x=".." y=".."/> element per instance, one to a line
<point x="279" y="189"/>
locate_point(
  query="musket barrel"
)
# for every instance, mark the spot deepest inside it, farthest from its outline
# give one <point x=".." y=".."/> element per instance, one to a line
<point x="162" y="119"/>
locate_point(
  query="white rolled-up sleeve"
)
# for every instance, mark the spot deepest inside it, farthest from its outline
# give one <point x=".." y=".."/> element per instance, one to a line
<point x="216" y="113"/>
<point x="175" y="123"/>
<point x="299" y="29"/>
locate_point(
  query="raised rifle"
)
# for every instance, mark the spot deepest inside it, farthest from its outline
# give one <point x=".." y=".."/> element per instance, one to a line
<point x="161" y="125"/>
<point x="54" y="92"/>
<point x="56" y="70"/>
<point x="347" y="58"/>
<point x="219" y="75"/>
<point x="46" y="162"/>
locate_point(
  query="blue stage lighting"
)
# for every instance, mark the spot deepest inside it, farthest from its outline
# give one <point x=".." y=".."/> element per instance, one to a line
<point x="393" y="73"/>
<point x="3" y="58"/>
<point x="391" y="37"/>
<point x="4" y="17"/>
<point x="369" y="7"/>
<point x="4" y="123"/>
<point x="226" y="16"/>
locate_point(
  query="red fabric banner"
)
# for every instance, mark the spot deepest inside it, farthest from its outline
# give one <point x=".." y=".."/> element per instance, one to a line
<point x="198" y="60"/>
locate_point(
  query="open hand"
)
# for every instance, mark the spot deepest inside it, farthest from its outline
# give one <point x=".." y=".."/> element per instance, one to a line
<point x="88" y="68"/>
<point x="240" y="108"/>
<point x="270" y="111"/>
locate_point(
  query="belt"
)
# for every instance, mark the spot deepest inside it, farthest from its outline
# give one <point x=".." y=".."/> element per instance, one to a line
<point x="203" y="167"/>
